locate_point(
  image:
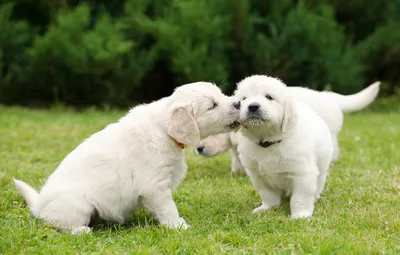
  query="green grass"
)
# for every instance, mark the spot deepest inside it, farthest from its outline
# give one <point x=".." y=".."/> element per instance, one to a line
<point x="359" y="212"/>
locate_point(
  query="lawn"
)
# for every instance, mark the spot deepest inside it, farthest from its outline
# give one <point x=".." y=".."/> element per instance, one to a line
<point x="359" y="212"/>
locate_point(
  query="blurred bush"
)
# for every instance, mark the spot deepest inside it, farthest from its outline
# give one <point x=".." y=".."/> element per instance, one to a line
<point x="123" y="51"/>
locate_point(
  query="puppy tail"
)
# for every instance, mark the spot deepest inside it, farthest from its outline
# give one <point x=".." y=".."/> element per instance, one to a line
<point x="30" y="195"/>
<point x="358" y="101"/>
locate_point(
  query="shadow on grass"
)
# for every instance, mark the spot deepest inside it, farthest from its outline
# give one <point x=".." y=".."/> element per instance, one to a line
<point x="138" y="220"/>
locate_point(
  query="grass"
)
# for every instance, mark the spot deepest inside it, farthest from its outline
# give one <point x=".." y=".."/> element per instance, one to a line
<point x="357" y="214"/>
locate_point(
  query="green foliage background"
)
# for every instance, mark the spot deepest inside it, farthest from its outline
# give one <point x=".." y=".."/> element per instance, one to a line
<point x="103" y="52"/>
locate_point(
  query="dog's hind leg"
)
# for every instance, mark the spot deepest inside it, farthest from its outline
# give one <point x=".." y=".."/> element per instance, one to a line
<point x="321" y="183"/>
<point x="336" y="150"/>
<point x="69" y="216"/>
<point x="323" y="166"/>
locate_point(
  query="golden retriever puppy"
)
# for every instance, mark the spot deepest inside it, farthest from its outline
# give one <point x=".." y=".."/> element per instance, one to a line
<point x="284" y="146"/>
<point x="134" y="163"/>
<point x="329" y="106"/>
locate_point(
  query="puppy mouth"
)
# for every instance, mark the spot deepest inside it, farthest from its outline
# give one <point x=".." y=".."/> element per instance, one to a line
<point x="205" y="155"/>
<point x="254" y="120"/>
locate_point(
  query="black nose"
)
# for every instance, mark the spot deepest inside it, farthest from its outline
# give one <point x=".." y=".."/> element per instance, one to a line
<point x="200" y="149"/>
<point x="236" y="105"/>
<point x="254" y="107"/>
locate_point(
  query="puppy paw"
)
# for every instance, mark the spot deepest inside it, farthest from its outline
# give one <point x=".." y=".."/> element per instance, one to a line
<point x="236" y="166"/>
<point x="80" y="230"/>
<point x="301" y="215"/>
<point x="177" y="224"/>
<point x="184" y="226"/>
<point x="238" y="171"/>
<point x="261" y="209"/>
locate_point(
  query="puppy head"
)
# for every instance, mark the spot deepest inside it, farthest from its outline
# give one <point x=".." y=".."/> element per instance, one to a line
<point x="264" y="102"/>
<point x="199" y="110"/>
<point x="214" y="145"/>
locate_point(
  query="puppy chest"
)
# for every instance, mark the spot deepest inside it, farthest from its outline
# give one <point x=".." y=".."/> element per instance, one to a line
<point x="168" y="173"/>
<point x="275" y="174"/>
<point x="269" y="161"/>
<point x="279" y="159"/>
<point x="279" y="181"/>
<point x="177" y="172"/>
<point x="275" y="170"/>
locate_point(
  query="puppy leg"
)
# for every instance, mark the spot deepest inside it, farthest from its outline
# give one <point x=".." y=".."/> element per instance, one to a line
<point x="68" y="215"/>
<point x="323" y="165"/>
<point x="269" y="197"/>
<point x="336" y="150"/>
<point x="236" y="165"/>
<point x="161" y="205"/>
<point x="303" y="197"/>
<point x="321" y="183"/>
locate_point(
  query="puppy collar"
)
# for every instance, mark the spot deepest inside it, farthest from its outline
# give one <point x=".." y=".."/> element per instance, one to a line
<point x="266" y="144"/>
<point x="179" y="144"/>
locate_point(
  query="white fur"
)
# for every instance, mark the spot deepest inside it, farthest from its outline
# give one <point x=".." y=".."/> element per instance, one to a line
<point x="329" y="106"/>
<point x="297" y="165"/>
<point x="217" y="144"/>
<point x="132" y="164"/>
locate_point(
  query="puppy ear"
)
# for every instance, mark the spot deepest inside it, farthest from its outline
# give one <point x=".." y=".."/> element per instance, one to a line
<point x="183" y="127"/>
<point x="288" y="115"/>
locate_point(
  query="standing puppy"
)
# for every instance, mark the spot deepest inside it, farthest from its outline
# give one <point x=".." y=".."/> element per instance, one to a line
<point x="285" y="147"/>
<point x="329" y="106"/>
<point x="133" y="164"/>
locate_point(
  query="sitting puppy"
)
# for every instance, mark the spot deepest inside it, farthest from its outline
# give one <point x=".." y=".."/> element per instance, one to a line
<point x="133" y="164"/>
<point x="329" y="106"/>
<point x="285" y="147"/>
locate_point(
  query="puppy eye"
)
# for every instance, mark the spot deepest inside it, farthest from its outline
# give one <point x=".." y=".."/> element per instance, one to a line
<point x="269" y="97"/>
<point x="244" y="98"/>
<point x="214" y="105"/>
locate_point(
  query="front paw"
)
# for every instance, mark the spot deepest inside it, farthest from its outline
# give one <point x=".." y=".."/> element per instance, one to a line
<point x="238" y="171"/>
<point x="261" y="209"/>
<point x="180" y="223"/>
<point x="301" y="215"/>
<point x="80" y="230"/>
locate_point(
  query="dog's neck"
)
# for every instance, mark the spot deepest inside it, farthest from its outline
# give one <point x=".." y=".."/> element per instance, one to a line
<point x="262" y="135"/>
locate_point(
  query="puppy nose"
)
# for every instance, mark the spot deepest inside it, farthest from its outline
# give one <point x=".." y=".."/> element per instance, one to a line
<point x="254" y="107"/>
<point x="236" y="105"/>
<point x="200" y="149"/>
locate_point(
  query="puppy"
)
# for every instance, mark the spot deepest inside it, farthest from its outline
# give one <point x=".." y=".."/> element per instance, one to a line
<point x="217" y="144"/>
<point x="133" y="164"/>
<point x="329" y="106"/>
<point x="285" y="147"/>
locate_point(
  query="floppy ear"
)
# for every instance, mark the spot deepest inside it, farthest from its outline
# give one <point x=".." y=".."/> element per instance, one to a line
<point x="288" y="115"/>
<point x="183" y="127"/>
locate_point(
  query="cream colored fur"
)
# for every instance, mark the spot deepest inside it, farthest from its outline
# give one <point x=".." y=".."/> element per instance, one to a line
<point x="132" y="164"/>
<point x="297" y="161"/>
<point x="329" y="106"/>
